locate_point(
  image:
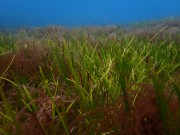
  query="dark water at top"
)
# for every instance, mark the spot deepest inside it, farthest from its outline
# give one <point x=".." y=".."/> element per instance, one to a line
<point x="17" y="13"/>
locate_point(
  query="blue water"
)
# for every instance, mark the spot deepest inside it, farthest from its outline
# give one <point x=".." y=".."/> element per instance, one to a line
<point x="17" y="13"/>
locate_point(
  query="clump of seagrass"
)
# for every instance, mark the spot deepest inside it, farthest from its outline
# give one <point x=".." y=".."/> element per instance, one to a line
<point x="141" y="118"/>
<point x="25" y="63"/>
<point x="41" y="120"/>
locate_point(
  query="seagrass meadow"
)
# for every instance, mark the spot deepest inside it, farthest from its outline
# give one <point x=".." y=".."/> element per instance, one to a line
<point x="91" y="81"/>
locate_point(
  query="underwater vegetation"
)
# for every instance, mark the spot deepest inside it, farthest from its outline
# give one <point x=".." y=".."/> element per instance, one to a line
<point x="108" y="80"/>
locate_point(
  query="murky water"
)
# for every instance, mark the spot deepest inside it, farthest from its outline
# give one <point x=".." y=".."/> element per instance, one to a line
<point x="17" y="13"/>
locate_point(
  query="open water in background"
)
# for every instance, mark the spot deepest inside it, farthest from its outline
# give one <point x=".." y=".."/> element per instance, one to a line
<point x="70" y="13"/>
